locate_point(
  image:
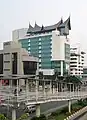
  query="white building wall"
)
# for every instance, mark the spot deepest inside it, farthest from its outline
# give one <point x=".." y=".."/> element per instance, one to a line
<point x="78" y="59"/>
<point x="58" y="46"/>
<point x="19" y="33"/>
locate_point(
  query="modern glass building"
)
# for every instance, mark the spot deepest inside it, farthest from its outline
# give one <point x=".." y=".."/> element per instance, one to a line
<point x="51" y="45"/>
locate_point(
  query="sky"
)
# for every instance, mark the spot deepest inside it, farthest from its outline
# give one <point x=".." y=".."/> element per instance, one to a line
<point x="15" y="14"/>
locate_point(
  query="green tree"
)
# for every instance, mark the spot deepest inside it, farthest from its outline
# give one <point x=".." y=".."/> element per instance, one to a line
<point x="74" y="80"/>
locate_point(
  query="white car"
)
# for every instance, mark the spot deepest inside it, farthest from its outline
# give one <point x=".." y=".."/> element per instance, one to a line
<point x="31" y="108"/>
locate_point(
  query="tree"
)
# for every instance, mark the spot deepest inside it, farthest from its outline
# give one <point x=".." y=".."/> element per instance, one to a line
<point x="74" y="80"/>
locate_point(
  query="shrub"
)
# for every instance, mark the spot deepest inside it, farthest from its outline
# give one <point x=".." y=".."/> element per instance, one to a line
<point x="64" y="110"/>
<point x="2" y="117"/>
<point x="42" y="117"/>
<point x="68" y="114"/>
<point x="35" y="118"/>
<point x="54" y="113"/>
<point x="24" y="116"/>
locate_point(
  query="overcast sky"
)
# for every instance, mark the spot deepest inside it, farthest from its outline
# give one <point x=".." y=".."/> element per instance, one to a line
<point x="16" y="14"/>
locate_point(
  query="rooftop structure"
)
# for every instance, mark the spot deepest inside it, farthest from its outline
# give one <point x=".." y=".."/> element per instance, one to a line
<point x="63" y="27"/>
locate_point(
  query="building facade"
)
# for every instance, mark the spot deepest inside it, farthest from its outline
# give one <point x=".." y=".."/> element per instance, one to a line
<point x="15" y="60"/>
<point x="76" y="60"/>
<point x="19" y="33"/>
<point x="51" y="45"/>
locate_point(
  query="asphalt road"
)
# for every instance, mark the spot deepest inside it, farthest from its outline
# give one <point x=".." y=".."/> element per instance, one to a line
<point x="46" y="108"/>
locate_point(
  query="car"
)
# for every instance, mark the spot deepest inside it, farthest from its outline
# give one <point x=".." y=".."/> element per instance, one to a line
<point x="31" y="108"/>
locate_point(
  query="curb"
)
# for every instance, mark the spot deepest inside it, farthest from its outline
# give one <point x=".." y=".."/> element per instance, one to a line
<point x="76" y="114"/>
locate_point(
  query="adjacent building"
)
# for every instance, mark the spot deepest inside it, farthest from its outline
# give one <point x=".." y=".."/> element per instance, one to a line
<point x="76" y="60"/>
<point x="15" y="60"/>
<point x="19" y="33"/>
<point x="51" y="45"/>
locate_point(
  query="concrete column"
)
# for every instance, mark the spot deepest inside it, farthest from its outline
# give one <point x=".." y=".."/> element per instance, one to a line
<point x="69" y="105"/>
<point x="27" y="89"/>
<point x="53" y="89"/>
<point x="73" y="88"/>
<point x="50" y="87"/>
<point x="57" y="87"/>
<point x="36" y="89"/>
<point x="44" y="88"/>
<point x="20" y="69"/>
<point x="10" y="81"/>
<point x="13" y="114"/>
<point x="61" y="68"/>
<point x="37" y="110"/>
<point x="17" y="87"/>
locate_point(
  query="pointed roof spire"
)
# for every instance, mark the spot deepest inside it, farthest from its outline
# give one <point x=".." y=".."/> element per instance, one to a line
<point x="66" y="23"/>
<point x="29" y="23"/>
<point x="37" y="27"/>
<point x="35" y="24"/>
<point x="61" y="20"/>
<point x="30" y="29"/>
<point x="42" y="28"/>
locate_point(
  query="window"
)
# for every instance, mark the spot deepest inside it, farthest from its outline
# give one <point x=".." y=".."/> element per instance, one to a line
<point x="29" y="40"/>
<point x="29" y="48"/>
<point x="39" y="39"/>
<point x="6" y="61"/>
<point x="29" y="44"/>
<point x="73" y="62"/>
<point x="73" y="65"/>
<point x="6" y="69"/>
<point x="6" y="53"/>
<point x="39" y="51"/>
<point x="39" y="55"/>
<point x="39" y="60"/>
<point x="39" y="43"/>
<point x="39" y="47"/>
<point x="73" y="58"/>
<point x="29" y="52"/>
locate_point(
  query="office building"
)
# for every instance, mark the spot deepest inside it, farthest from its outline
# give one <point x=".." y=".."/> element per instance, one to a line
<point x="76" y="60"/>
<point x="51" y="45"/>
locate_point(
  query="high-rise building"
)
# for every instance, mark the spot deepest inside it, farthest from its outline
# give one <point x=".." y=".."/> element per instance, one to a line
<point x="51" y="45"/>
<point x="19" y="33"/>
<point x="76" y="60"/>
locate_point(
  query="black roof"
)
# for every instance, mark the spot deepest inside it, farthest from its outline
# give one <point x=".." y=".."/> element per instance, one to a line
<point x="67" y="22"/>
<point x="60" y="24"/>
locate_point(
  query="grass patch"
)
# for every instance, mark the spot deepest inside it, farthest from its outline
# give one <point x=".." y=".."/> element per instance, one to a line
<point x="60" y="117"/>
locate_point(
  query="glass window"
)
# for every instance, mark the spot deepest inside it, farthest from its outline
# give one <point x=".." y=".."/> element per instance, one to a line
<point x="39" y="43"/>
<point x="39" y="47"/>
<point x="29" y="44"/>
<point x="39" y="55"/>
<point x="29" y="48"/>
<point x="39" y="51"/>
<point x="39" y="39"/>
<point x="29" y="40"/>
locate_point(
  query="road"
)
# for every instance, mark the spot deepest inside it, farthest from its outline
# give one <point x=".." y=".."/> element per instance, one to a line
<point x="45" y="108"/>
<point x="82" y="117"/>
